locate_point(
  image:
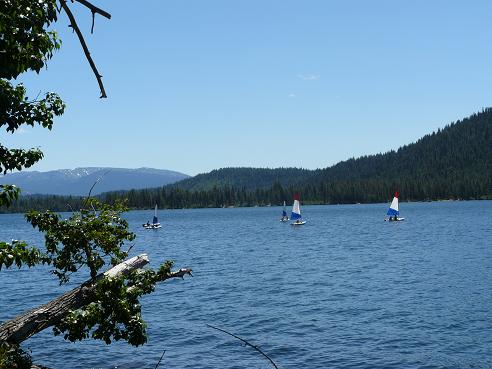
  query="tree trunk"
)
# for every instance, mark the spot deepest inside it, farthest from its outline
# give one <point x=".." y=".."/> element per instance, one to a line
<point x="25" y="325"/>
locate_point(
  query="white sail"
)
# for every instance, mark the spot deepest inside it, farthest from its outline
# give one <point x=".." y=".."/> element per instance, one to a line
<point x="394" y="209"/>
<point x="155" y="220"/>
<point x="296" y="209"/>
<point x="394" y="205"/>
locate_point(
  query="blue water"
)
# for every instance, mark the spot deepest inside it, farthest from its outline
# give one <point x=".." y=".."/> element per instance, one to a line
<point x="346" y="290"/>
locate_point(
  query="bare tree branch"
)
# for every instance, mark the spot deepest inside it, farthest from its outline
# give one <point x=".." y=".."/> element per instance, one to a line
<point x="94" y="185"/>
<point x="93" y="20"/>
<point x="94" y="9"/>
<point x="159" y="362"/>
<point x="246" y="342"/>
<point x="76" y="28"/>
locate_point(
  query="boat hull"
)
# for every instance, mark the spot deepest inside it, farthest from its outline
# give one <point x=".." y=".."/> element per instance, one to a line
<point x="298" y="223"/>
<point x="393" y="220"/>
<point x="152" y="226"/>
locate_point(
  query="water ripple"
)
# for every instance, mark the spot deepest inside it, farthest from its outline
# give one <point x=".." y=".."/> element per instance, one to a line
<point x="346" y="291"/>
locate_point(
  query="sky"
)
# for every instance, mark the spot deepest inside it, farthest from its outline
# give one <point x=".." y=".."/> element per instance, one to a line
<point x="199" y="85"/>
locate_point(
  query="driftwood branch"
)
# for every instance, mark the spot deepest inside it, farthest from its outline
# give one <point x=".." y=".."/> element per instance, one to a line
<point x="26" y="325"/>
<point x="246" y="343"/>
<point x="76" y="28"/>
<point x="177" y="274"/>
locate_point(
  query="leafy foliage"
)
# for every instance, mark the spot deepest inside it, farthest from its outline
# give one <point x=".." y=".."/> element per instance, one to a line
<point x="91" y="239"/>
<point x="13" y="357"/>
<point x="15" y="109"/>
<point x="84" y="239"/>
<point x="18" y="158"/>
<point x="115" y="313"/>
<point x="18" y="253"/>
<point x="88" y="239"/>
<point x="8" y="193"/>
<point x="25" y="43"/>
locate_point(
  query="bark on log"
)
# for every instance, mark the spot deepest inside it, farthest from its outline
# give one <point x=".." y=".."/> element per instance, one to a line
<point x="25" y="325"/>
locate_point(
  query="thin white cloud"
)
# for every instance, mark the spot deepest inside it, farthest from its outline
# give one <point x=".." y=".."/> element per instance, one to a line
<point x="21" y="131"/>
<point x="292" y="95"/>
<point x="308" y="77"/>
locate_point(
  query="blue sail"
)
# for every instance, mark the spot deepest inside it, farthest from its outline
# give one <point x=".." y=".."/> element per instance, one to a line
<point x="296" y="209"/>
<point x="393" y="212"/>
<point x="295" y="216"/>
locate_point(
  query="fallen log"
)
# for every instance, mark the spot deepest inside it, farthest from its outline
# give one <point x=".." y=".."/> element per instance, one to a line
<point x="35" y="320"/>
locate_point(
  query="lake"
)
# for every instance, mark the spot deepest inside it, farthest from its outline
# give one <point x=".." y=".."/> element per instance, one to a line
<point x="347" y="290"/>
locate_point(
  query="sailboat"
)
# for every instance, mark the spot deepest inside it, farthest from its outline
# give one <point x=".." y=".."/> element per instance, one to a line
<point x="296" y="212"/>
<point x="155" y="222"/>
<point x="394" y="210"/>
<point x="284" y="218"/>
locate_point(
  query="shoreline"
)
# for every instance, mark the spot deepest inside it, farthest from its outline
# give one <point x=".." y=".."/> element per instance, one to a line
<point x="306" y="203"/>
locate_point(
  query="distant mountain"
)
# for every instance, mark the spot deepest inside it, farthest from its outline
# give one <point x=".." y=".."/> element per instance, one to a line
<point x="79" y="181"/>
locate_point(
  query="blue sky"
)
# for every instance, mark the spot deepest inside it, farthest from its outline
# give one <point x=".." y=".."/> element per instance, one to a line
<point x="198" y="85"/>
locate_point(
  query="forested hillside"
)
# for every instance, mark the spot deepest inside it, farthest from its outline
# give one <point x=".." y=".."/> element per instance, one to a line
<point x="453" y="163"/>
<point x="246" y="178"/>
